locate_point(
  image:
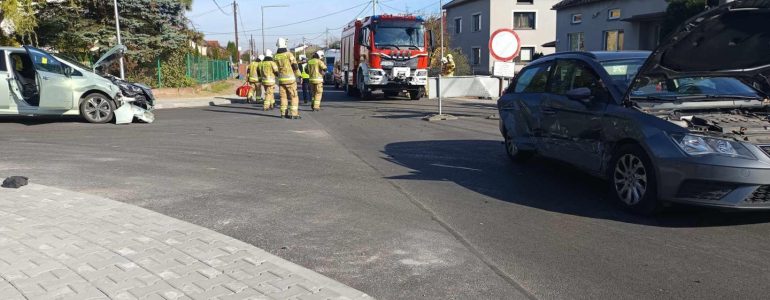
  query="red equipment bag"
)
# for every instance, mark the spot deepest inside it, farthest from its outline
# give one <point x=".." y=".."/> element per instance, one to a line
<point x="243" y="91"/>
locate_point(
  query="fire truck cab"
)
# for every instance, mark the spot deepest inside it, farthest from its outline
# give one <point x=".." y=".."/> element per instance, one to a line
<point x="387" y="53"/>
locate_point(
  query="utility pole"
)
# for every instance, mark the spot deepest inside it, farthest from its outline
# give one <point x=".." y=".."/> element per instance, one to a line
<point x="235" y="20"/>
<point x="304" y="47"/>
<point x="374" y="7"/>
<point x="117" y="28"/>
<point x="251" y="46"/>
<point x="327" y="38"/>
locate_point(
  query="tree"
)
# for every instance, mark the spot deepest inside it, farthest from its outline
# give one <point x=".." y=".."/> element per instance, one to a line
<point x="335" y="43"/>
<point x="152" y="30"/>
<point x="19" y="20"/>
<point x="678" y="11"/>
<point x="462" y="67"/>
<point x="232" y="51"/>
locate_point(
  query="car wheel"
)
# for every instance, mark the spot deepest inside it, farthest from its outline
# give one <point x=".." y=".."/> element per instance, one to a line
<point x="515" y="153"/>
<point x="97" y="108"/>
<point x="415" y="94"/>
<point x="632" y="180"/>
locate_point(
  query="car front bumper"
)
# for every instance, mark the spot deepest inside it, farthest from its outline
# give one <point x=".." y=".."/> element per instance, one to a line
<point x="744" y="185"/>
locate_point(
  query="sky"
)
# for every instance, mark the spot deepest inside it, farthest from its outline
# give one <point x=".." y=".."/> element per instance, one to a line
<point x="313" y="18"/>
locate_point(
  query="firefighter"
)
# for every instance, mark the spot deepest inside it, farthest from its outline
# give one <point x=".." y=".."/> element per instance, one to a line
<point x="448" y="66"/>
<point x="316" y="69"/>
<point x="267" y="70"/>
<point x="305" y="77"/>
<point x="253" y="77"/>
<point x="288" y="72"/>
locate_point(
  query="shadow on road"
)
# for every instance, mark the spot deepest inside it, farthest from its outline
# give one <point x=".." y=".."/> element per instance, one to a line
<point x="41" y="120"/>
<point x="482" y="166"/>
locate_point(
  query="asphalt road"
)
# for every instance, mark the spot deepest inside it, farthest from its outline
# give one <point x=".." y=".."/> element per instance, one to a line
<point x="368" y="194"/>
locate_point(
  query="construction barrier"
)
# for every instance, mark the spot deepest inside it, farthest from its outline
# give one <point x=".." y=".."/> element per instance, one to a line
<point x="485" y="87"/>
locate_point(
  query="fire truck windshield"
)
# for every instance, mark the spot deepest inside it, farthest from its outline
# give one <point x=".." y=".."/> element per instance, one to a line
<point x="399" y="36"/>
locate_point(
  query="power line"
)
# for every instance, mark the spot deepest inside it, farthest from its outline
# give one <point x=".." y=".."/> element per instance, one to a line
<point x="203" y="13"/>
<point x="298" y="22"/>
<point x="316" y="18"/>
<point x="220" y="8"/>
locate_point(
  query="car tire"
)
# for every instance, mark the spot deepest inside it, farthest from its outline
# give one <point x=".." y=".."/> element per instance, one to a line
<point x="632" y="180"/>
<point x="415" y="94"/>
<point x="97" y="108"/>
<point x="515" y="153"/>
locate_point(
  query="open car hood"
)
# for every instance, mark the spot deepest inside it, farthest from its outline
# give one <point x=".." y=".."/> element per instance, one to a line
<point x="110" y="57"/>
<point x="730" y="40"/>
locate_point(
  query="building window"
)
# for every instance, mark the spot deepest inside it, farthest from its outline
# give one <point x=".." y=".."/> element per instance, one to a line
<point x="458" y="25"/>
<point x="613" y="14"/>
<point x="525" y="1"/>
<point x="577" y="18"/>
<point x="526" y="54"/>
<point x="613" y="40"/>
<point x="524" y="20"/>
<point x="576" y="41"/>
<point x="476" y="58"/>
<point x="476" y="22"/>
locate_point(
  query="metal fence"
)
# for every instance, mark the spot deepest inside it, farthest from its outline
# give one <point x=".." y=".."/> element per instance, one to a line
<point x="201" y="69"/>
<point x="205" y="70"/>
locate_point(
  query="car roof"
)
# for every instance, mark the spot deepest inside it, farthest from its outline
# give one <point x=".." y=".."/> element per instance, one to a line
<point x="615" y="55"/>
<point x="597" y="55"/>
<point x="12" y="48"/>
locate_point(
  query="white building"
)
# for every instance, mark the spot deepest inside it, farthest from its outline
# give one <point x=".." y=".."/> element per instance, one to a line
<point x="471" y="23"/>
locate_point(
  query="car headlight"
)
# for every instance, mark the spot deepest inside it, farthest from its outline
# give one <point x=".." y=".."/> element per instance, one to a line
<point x="386" y="63"/>
<point x="375" y="73"/>
<point x="421" y="73"/>
<point x="696" y="145"/>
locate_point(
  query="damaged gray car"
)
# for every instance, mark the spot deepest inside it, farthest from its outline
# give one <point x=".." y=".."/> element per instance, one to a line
<point x="688" y="122"/>
<point x="40" y="83"/>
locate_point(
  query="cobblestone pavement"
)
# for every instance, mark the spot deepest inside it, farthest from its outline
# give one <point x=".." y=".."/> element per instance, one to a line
<point x="58" y="244"/>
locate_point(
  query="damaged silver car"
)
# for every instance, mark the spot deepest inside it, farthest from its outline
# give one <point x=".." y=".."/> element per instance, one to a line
<point x="688" y="122"/>
<point x="39" y="83"/>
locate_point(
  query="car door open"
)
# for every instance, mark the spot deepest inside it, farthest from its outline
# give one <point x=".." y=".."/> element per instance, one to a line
<point x="55" y="90"/>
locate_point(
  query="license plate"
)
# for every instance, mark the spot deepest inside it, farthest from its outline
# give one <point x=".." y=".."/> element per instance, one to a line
<point x="401" y="72"/>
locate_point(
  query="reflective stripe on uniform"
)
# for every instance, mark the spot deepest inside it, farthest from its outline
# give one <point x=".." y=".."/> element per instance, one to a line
<point x="285" y="70"/>
<point x="314" y="70"/>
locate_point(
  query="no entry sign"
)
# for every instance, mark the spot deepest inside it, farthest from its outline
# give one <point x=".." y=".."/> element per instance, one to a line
<point x="504" y="45"/>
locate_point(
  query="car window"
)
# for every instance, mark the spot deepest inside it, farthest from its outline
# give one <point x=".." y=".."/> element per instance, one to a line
<point x="533" y="79"/>
<point x="3" y="66"/>
<point x="573" y="74"/>
<point x="45" y="62"/>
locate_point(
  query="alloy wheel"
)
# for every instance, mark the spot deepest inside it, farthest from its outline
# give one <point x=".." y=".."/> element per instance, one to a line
<point x="98" y="109"/>
<point x="630" y="179"/>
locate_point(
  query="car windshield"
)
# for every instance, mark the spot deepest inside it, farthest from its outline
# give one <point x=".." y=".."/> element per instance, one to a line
<point x="692" y="88"/>
<point x="622" y="71"/>
<point x="73" y="61"/>
<point x="399" y="35"/>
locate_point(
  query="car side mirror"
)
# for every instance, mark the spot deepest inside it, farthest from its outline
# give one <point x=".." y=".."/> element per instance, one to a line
<point x="582" y="94"/>
<point x="68" y="71"/>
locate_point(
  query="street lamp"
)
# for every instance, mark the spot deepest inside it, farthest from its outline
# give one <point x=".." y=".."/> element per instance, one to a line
<point x="117" y="28"/>
<point x="263" y="23"/>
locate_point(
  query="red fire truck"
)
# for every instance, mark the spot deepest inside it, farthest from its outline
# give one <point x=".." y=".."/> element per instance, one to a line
<point x="387" y="53"/>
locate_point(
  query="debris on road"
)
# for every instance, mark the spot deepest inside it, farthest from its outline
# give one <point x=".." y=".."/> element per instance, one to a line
<point x="15" y="182"/>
